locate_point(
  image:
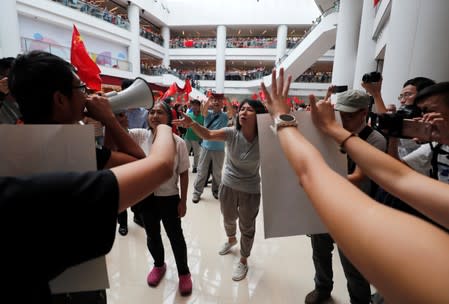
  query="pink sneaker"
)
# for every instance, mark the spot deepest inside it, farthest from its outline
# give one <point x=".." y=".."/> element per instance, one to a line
<point x="185" y="284"/>
<point x="155" y="275"/>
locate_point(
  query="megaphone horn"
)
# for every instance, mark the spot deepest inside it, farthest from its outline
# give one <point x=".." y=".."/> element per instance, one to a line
<point x="137" y="95"/>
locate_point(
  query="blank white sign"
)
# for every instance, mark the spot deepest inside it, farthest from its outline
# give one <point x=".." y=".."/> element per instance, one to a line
<point x="287" y="210"/>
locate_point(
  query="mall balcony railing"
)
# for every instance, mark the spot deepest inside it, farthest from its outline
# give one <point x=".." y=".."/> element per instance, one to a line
<point x="28" y="45"/>
<point x="96" y="11"/>
<point x="151" y="36"/>
<point x="231" y="42"/>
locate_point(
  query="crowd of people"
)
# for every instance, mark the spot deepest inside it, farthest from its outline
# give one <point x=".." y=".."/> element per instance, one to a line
<point x="94" y="9"/>
<point x="397" y="190"/>
<point x="231" y="42"/>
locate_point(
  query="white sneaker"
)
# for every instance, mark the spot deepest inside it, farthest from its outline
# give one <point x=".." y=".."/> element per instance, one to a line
<point x="226" y="248"/>
<point x="240" y="272"/>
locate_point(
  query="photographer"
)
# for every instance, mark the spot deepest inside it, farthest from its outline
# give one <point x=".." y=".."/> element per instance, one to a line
<point x="397" y="148"/>
<point x="432" y="158"/>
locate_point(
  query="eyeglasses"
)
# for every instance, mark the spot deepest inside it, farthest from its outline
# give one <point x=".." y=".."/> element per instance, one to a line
<point x="405" y="95"/>
<point x="82" y="87"/>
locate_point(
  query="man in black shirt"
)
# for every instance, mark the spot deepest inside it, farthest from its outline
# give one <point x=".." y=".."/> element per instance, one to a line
<point x="50" y="239"/>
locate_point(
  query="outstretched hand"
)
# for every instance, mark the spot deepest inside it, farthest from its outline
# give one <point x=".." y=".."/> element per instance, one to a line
<point x="323" y="115"/>
<point x="276" y="100"/>
<point x="185" y="122"/>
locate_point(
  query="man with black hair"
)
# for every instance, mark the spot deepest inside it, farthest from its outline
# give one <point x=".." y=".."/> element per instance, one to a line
<point x="9" y="110"/>
<point x="48" y="91"/>
<point x="432" y="158"/>
<point x="192" y="140"/>
<point x="211" y="151"/>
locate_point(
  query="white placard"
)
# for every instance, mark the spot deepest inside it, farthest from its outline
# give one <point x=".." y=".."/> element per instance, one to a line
<point x="28" y="149"/>
<point x="287" y="211"/>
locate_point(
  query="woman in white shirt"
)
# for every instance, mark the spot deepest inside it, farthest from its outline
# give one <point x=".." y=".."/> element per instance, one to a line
<point x="166" y="204"/>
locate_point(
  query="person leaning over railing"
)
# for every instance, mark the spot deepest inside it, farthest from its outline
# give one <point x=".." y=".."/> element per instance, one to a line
<point x="403" y="256"/>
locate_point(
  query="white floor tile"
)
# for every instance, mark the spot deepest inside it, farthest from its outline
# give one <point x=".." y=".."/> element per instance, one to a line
<point x="280" y="270"/>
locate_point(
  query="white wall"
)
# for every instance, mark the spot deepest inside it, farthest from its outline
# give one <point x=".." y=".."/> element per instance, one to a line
<point x="35" y="29"/>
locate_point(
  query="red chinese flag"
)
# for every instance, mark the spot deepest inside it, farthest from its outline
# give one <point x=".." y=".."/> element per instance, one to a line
<point x="262" y="95"/>
<point x="187" y="87"/>
<point x="88" y="71"/>
<point x="254" y="96"/>
<point x="171" y="91"/>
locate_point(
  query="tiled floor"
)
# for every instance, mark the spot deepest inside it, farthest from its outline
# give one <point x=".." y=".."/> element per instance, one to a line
<point x="280" y="270"/>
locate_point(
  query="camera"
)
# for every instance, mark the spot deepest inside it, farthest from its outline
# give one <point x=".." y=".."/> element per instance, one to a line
<point x="339" y="89"/>
<point x="401" y="124"/>
<point x="372" y="77"/>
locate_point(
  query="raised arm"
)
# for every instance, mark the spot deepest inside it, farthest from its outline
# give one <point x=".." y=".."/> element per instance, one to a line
<point x="98" y="108"/>
<point x="377" y="240"/>
<point x="205" y="107"/>
<point x="421" y="192"/>
<point x="374" y="88"/>
<point x="203" y="132"/>
<point x="140" y="178"/>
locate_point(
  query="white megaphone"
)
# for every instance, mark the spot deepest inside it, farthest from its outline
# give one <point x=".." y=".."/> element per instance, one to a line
<point x="137" y="95"/>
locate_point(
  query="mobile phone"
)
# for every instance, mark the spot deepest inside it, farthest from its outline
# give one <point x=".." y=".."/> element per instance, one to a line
<point x="416" y="129"/>
<point x="339" y="89"/>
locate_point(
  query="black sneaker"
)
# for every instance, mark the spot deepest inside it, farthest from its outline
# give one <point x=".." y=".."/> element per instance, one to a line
<point x="195" y="198"/>
<point x="123" y="230"/>
<point x="138" y="221"/>
<point x="317" y="297"/>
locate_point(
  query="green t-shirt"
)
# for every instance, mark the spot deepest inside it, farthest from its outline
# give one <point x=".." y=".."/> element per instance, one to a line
<point x="190" y="135"/>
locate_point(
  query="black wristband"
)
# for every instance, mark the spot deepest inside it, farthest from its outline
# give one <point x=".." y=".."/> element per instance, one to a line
<point x="342" y="145"/>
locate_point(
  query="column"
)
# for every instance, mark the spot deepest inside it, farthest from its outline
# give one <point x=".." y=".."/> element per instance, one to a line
<point x="365" y="62"/>
<point x="134" y="47"/>
<point x="166" y="36"/>
<point x="281" y="45"/>
<point x="346" y="42"/>
<point x="220" y="65"/>
<point x="417" y="44"/>
<point x="9" y="30"/>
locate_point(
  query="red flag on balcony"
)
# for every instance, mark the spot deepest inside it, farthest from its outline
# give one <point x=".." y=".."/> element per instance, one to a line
<point x="88" y="71"/>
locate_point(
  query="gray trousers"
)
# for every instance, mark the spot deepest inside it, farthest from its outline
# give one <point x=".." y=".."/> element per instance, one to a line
<point x="195" y="145"/>
<point x="243" y="206"/>
<point x="217" y="159"/>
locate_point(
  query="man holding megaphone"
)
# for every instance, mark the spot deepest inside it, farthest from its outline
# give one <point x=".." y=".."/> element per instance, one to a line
<point x="48" y="91"/>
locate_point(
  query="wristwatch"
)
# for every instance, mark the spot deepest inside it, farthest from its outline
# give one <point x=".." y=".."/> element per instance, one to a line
<point x="282" y="121"/>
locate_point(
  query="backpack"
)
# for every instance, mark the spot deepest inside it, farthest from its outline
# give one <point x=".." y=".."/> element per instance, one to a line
<point x="439" y="163"/>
